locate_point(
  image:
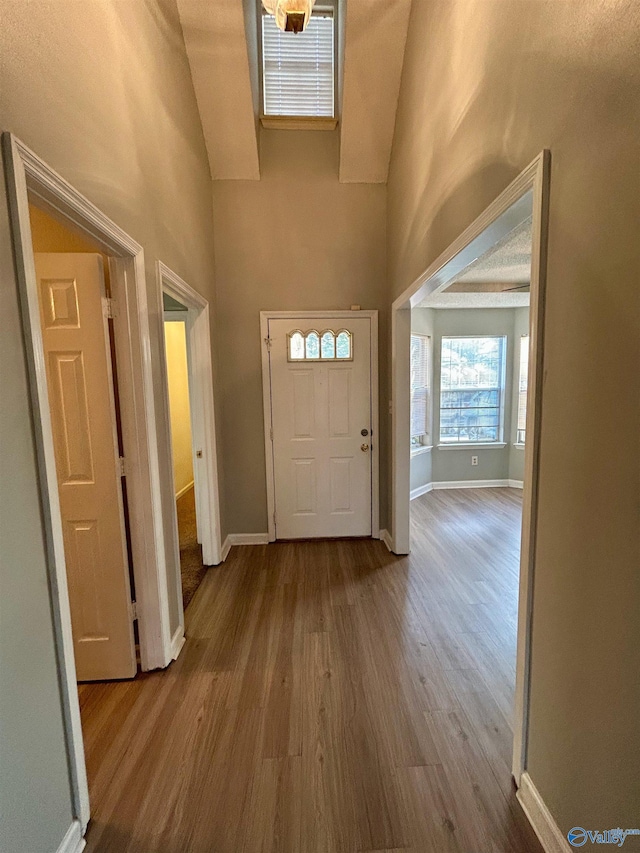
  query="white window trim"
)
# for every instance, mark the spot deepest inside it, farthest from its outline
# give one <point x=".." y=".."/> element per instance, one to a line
<point x="502" y="403"/>
<point x="474" y="445"/>
<point x="422" y="448"/>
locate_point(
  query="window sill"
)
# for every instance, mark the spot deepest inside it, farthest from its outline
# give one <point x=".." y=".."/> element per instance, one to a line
<point x="299" y="122"/>
<point x="424" y="448"/>
<point x="518" y="445"/>
<point x="486" y="445"/>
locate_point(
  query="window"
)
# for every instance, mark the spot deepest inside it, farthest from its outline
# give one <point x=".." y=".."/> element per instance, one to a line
<point x="472" y="389"/>
<point x="523" y="377"/>
<point x="319" y="346"/>
<point x="298" y="68"/>
<point x="420" y="389"/>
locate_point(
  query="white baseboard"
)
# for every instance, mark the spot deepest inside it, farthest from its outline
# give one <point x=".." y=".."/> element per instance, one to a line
<point x="185" y="489"/>
<point x="177" y="642"/>
<point x="540" y="818"/>
<point x="420" y="490"/>
<point x="73" y="842"/>
<point x="248" y="538"/>
<point x="226" y="547"/>
<point x="472" y="484"/>
<point x="516" y="484"/>
<point x="386" y="538"/>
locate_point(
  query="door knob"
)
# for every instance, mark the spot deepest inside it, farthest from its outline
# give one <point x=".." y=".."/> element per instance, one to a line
<point x="364" y="447"/>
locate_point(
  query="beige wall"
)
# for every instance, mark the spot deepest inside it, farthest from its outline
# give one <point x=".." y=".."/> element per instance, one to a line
<point x="297" y="239"/>
<point x="102" y="92"/>
<point x="178" y="381"/>
<point x="486" y="86"/>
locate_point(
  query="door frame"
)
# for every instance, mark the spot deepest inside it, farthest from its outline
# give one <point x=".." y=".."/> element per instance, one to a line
<point x="372" y="315"/>
<point x="474" y="240"/>
<point x="203" y="427"/>
<point x="29" y="177"/>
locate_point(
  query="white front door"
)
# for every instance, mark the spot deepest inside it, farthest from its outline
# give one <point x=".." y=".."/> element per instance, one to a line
<point x="320" y="373"/>
<point x="81" y="397"/>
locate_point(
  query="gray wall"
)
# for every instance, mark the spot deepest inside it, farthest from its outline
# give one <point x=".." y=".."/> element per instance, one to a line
<point x="454" y="463"/>
<point x="486" y="86"/>
<point x="101" y="91"/>
<point x="295" y="240"/>
<point x="35" y="799"/>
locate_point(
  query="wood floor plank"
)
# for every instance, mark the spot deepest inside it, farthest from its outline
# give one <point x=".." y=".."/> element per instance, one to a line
<point x="330" y="698"/>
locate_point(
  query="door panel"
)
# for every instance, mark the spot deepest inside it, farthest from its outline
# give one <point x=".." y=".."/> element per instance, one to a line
<point x="319" y="408"/>
<point x="81" y="398"/>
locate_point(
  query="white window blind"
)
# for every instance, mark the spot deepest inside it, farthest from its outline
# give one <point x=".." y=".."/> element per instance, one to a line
<point x="420" y="386"/>
<point x="298" y="68"/>
<point x="523" y="381"/>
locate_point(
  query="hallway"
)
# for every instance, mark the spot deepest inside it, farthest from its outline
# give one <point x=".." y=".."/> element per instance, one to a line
<point x="330" y="697"/>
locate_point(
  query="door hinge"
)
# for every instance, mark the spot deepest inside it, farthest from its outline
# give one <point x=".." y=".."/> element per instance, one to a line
<point x="134" y="611"/>
<point x="123" y="466"/>
<point x="109" y="307"/>
<point x="274" y="519"/>
<point x="268" y="343"/>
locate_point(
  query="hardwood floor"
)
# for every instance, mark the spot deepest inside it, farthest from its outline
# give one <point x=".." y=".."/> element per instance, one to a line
<point x="330" y="697"/>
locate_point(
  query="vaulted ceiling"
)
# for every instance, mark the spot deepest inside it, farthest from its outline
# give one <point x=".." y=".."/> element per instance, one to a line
<point x="222" y="47"/>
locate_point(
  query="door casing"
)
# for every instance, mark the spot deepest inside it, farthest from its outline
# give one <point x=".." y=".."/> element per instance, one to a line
<point x="301" y="316"/>
<point x="203" y="430"/>
<point x="30" y="179"/>
<point x="481" y="234"/>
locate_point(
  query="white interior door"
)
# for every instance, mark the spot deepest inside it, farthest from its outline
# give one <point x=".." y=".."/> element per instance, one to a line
<point x="80" y="385"/>
<point x="320" y="372"/>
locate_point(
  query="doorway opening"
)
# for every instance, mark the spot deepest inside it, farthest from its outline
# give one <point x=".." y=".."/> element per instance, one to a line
<point x="467" y="347"/>
<point x="77" y="327"/>
<point x="116" y="257"/>
<point x="175" y="342"/>
<point x="190" y="429"/>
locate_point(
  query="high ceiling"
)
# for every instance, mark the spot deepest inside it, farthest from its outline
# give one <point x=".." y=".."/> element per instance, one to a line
<point x="222" y="47"/>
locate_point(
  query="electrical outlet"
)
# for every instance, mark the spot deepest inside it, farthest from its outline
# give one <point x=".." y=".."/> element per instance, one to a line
<point x="474" y="460"/>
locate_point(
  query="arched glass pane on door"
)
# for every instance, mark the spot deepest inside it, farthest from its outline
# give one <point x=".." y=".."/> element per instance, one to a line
<point x="313" y="345"/>
<point x="343" y="345"/>
<point x="319" y="346"/>
<point x="296" y="346"/>
<point x="328" y="348"/>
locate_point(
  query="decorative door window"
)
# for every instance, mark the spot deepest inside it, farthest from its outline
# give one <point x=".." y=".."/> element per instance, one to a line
<point x="319" y="346"/>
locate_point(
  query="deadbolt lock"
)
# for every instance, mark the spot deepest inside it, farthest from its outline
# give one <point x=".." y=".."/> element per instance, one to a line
<point x="364" y="447"/>
<point x="364" y="432"/>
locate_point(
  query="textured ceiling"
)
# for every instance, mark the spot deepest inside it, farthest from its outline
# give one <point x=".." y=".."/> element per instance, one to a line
<point x="508" y="262"/>
<point x="489" y="281"/>
<point x="476" y="300"/>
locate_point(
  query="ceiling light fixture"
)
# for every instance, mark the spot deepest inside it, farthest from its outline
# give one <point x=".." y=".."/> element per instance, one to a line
<point x="292" y="16"/>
